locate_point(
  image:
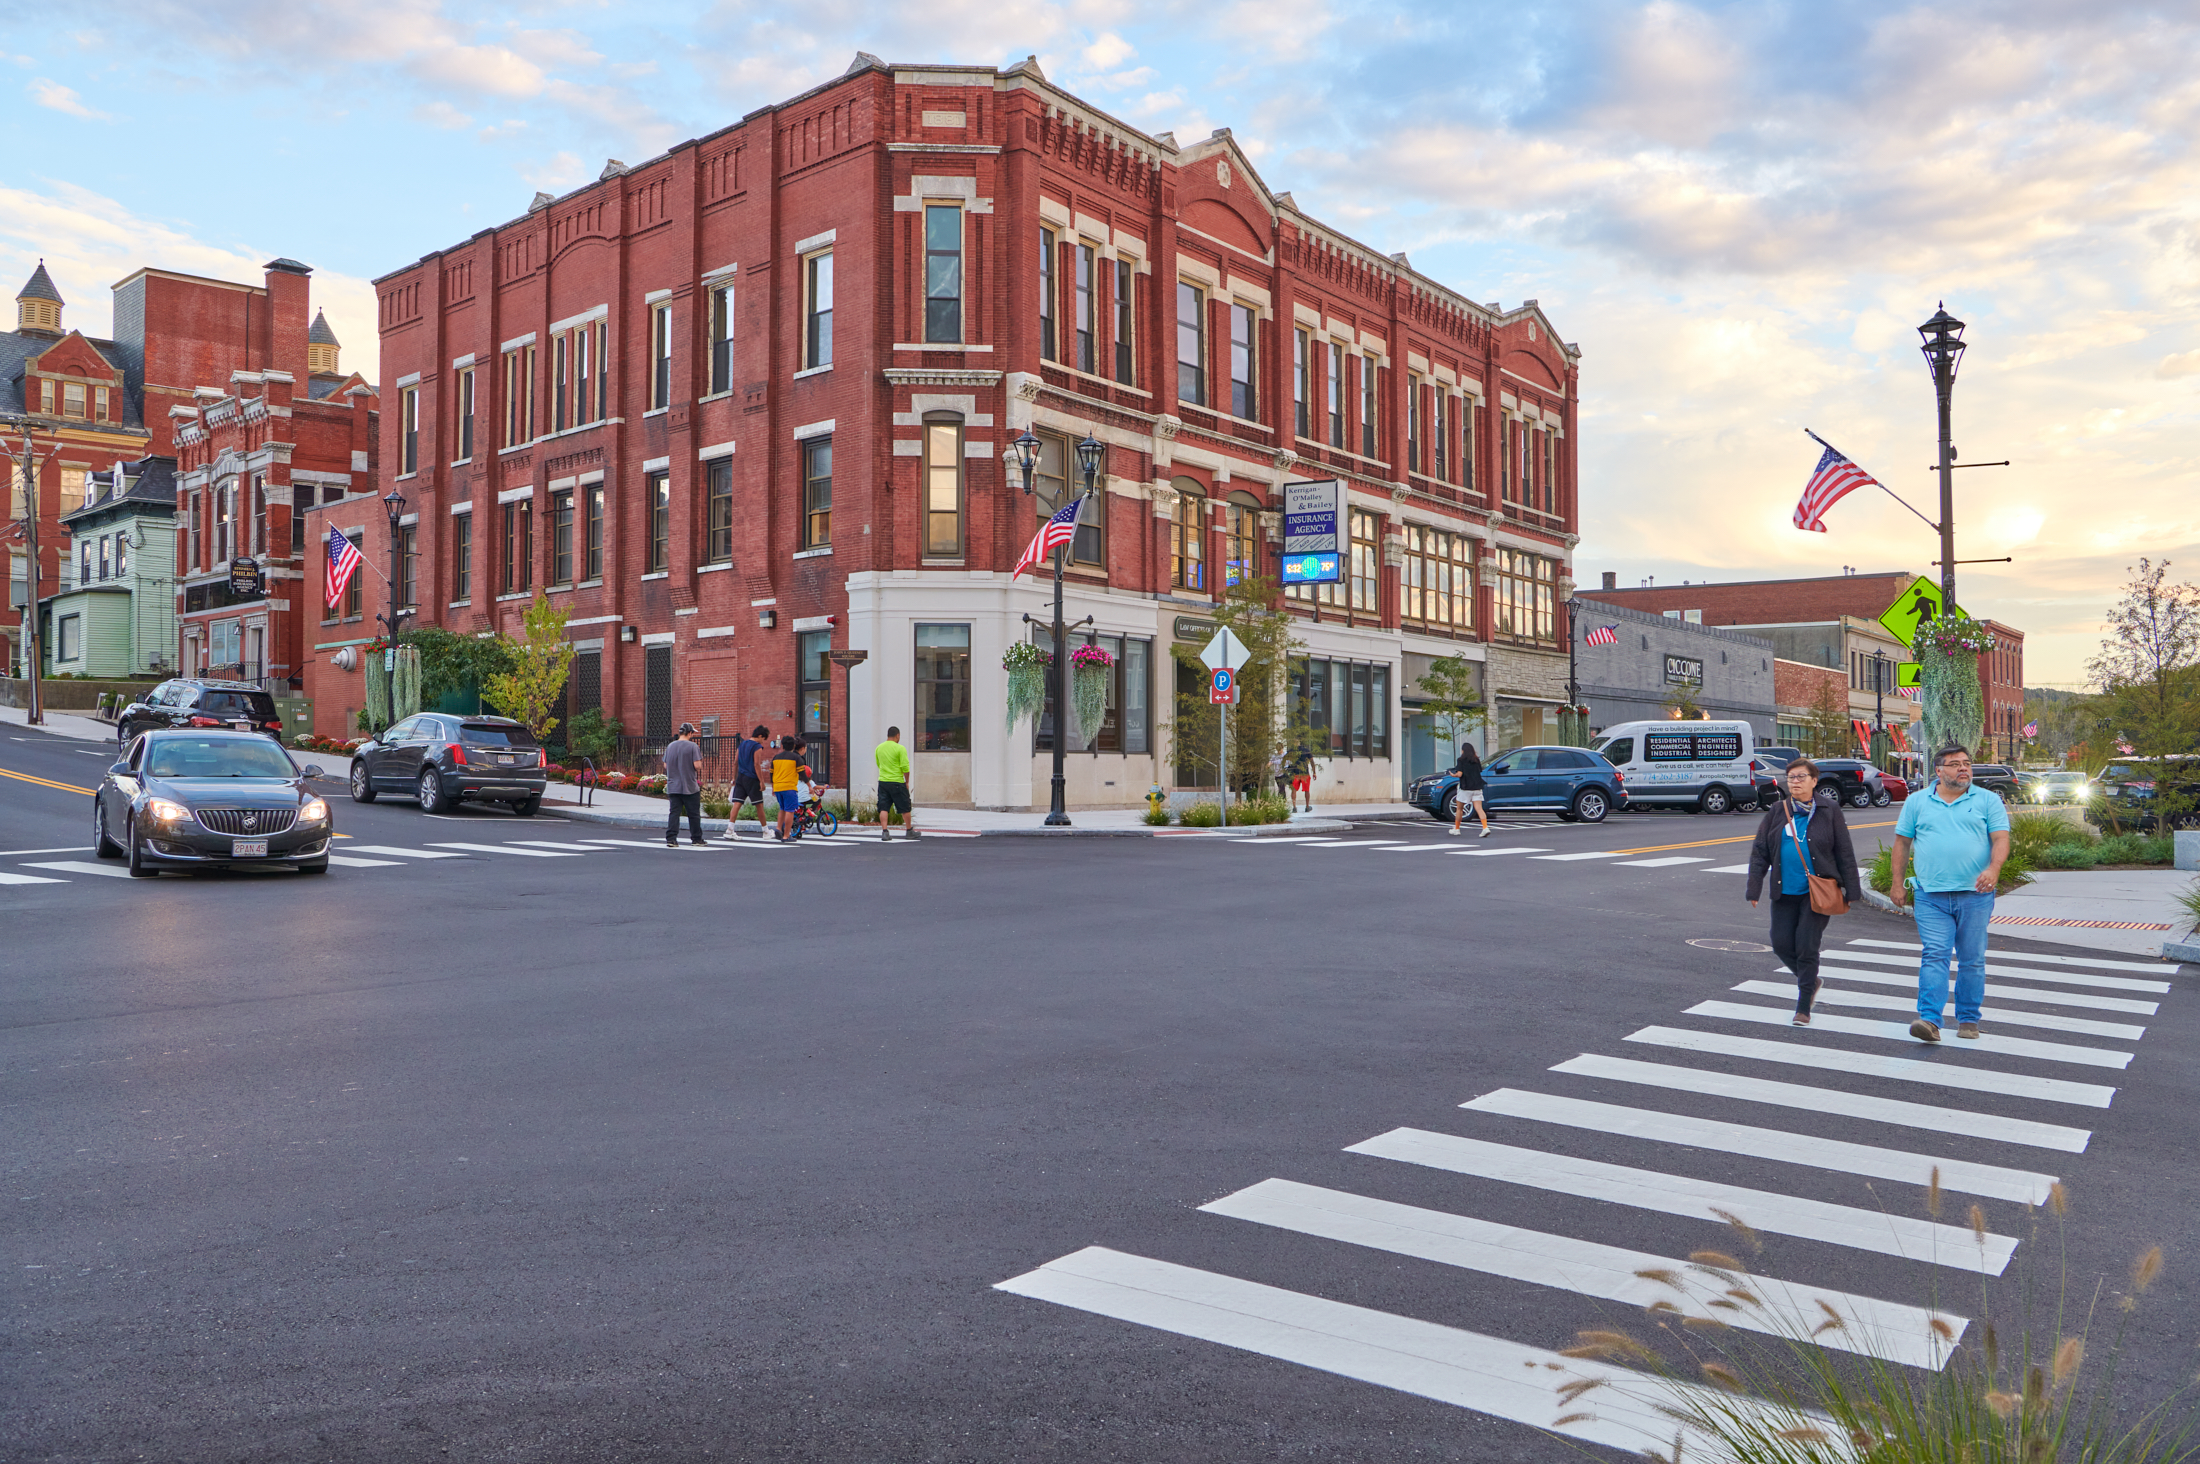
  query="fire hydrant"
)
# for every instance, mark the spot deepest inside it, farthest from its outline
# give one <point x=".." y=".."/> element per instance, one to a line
<point x="1155" y="799"/>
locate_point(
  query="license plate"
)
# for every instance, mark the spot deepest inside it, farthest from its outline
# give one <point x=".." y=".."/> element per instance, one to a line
<point x="242" y="726"/>
<point x="248" y="848"/>
<point x="506" y="758"/>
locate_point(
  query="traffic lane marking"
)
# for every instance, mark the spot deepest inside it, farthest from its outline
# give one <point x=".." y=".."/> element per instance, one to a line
<point x="2002" y="1016"/>
<point x="46" y="783"/>
<point x="350" y="863"/>
<point x="1594" y="854"/>
<point x="403" y="853"/>
<point x="507" y="849"/>
<point x="79" y="866"/>
<point x="2116" y="983"/>
<point x="1736" y="839"/>
<point x="1735" y="1011"/>
<point x="15" y="879"/>
<point x="1493" y="853"/>
<point x="1910" y="1068"/>
<point x="71" y="849"/>
<point x="1997" y="990"/>
<point x="1670" y="859"/>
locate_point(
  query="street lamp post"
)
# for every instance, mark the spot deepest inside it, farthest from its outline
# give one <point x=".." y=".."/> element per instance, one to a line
<point x="1943" y="348"/>
<point x="1575" y="721"/>
<point x="1089" y="453"/>
<point x="394" y="503"/>
<point x="33" y="649"/>
<point x="1879" y="702"/>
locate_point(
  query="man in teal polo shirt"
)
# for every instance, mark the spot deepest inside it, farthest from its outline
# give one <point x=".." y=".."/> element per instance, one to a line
<point x="1957" y="836"/>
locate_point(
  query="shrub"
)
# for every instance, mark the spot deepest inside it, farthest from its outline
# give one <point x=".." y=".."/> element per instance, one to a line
<point x="1261" y="811"/>
<point x="1156" y="816"/>
<point x="2136" y="849"/>
<point x="2036" y="833"/>
<point x="1881" y="875"/>
<point x="2190" y="900"/>
<point x="592" y="735"/>
<point x="2069" y="856"/>
<point x="1203" y="815"/>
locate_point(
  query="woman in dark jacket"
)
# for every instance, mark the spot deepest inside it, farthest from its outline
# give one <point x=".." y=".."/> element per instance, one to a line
<point x="1824" y="850"/>
<point x="1469" y="769"/>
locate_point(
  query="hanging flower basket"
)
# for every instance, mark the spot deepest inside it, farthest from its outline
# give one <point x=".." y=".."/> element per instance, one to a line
<point x="1091" y="670"/>
<point x="1026" y="666"/>
<point x="1953" y="635"/>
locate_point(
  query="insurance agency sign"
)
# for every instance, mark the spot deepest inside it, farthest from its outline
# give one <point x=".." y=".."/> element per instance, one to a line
<point x="1313" y="532"/>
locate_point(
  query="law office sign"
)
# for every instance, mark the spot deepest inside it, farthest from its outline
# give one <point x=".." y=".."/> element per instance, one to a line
<point x="1313" y="532"/>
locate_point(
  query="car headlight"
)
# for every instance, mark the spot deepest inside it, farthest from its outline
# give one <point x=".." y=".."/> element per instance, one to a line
<point x="166" y="812"/>
<point x="315" y="811"/>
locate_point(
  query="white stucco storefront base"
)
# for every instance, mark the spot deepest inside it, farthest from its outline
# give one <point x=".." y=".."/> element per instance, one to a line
<point x="1000" y="771"/>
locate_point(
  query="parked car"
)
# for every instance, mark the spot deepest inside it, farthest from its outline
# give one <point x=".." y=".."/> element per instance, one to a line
<point x="1997" y="778"/>
<point x="445" y="760"/>
<point x="1703" y="766"/>
<point x="238" y="705"/>
<point x="1855" y="781"/>
<point x="1894" y="787"/>
<point x="184" y="798"/>
<point x="2134" y="791"/>
<point x="1779" y="757"/>
<point x="2058" y="787"/>
<point x="1571" y="782"/>
<point x="1766" y="778"/>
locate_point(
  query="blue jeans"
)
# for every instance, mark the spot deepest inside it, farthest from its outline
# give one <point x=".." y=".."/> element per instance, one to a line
<point x="1952" y="921"/>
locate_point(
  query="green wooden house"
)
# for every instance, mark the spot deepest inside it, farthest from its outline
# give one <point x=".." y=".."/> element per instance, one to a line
<point x="115" y="614"/>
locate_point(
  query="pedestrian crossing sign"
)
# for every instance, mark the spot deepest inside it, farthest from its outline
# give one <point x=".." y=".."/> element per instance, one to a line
<point x="1914" y="606"/>
<point x="1909" y="673"/>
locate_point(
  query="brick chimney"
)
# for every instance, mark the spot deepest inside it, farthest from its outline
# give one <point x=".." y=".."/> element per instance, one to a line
<point x="288" y="317"/>
<point x="1611" y="579"/>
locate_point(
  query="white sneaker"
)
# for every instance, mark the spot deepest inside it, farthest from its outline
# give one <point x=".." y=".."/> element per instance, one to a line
<point x="1455" y="831"/>
<point x="1487" y="832"/>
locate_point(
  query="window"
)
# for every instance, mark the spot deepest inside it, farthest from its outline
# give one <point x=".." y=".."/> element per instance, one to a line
<point x="68" y="643"/>
<point x="817" y="493"/>
<point x="1124" y="724"/>
<point x="1191" y="344"/>
<point x="76" y="487"/>
<point x="943" y="486"/>
<point x="1125" y="278"/>
<point x="408" y="565"/>
<point x="45" y="398"/>
<point x="576" y="375"/>
<point x="408" y="430"/>
<point x="1347" y="704"/>
<point x="1550" y="471"/>
<point x="1046" y="296"/>
<point x="660" y="356"/>
<point x="1466" y="443"/>
<point x="519" y="546"/>
<point x="99" y="403"/>
<point x="1413" y="424"/>
<point x="657" y="492"/>
<point x="721" y="339"/>
<point x="718" y="511"/>
<point x="1436" y="582"/>
<point x="603" y="369"/>
<point x="1368" y="441"/>
<point x="84" y="562"/>
<point x="225" y="522"/>
<point x="259" y="513"/>
<point x="561" y="378"/>
<point x="1440" y="432"/>
<point x="355" y="593"/>
<point x="462" y="556"/>
<point x="592" y="532"/>
<point x="1242" y="401"/>
<point x="1505" y="460"/>
<point x="1240" y="541"/>
<point x="813" y="660"/>
<point x="105" y="550"/>
<point x="1521" y="607"/>
<point x="1051" y="481"/>
<point x="1302" y="347"/>
<point x="466" y="414"/>
<point x="72" y="399"/>
<point x="817" y="310"/>
<point x="122" y="553"/>
<point x="1087" y="323"/>
<point x="1335" y="382"/>
<point x="1367" y="563"/>
<point x="1187" y="567"/>
<point x="943" y="272"/>
<point x="942" y="717"/>
<point x="561" y="537"/>
<point x="519" y="396"/>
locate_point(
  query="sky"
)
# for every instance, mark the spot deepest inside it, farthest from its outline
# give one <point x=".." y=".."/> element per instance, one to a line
<point x="1740" y="213"/>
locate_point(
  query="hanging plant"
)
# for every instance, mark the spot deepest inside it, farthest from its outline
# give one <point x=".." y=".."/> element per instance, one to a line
<point x="378" y="699"/>
<point x="1954" y="709"/>
<point x="1952" y="635"/>
<point x="1026" y="666"/>
<point x="1091" y="671"/>
<point x="407" y="693"/>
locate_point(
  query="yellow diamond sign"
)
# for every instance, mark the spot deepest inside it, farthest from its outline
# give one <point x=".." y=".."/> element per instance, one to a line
<point x="1919" y="603"/>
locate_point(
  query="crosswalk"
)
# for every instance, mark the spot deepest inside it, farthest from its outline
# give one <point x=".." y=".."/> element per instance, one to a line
<point x="1619" y="858"/>
<point x="1668" y="1120"/>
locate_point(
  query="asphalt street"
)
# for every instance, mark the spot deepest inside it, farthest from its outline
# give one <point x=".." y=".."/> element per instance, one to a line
<point x="522" y="1139"/>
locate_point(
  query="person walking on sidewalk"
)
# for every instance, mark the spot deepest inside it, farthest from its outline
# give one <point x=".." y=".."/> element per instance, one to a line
<point x="1957" y="835"/>
<point x="747" y="785"/>
<point x="683" y="788"/>
<point x="1802" y="835"/>
<point x="893" y="785"/>
<point x="1302" y="776"/>
<point x="1470" y="789"/>
<point x="786" y="778"/>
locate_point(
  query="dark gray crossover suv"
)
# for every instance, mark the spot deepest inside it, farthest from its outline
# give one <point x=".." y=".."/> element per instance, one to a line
<point x="444" y="760"/>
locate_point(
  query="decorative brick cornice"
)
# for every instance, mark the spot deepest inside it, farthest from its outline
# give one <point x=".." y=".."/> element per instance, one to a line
<point x="927" y="376"/>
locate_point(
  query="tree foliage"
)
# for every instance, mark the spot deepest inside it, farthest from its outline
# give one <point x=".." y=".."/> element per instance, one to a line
<point x="527" y="692"/>
<point x="2148" y="667"/>
<point x="1264" y="721"/>
<point x="1448" y="691"/>
<point x="450" y="662"/>
<point x="1830" y="734"/>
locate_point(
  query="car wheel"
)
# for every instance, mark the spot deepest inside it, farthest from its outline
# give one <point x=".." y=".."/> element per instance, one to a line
<point x="526" y="807"/>
<point x="139" y="869"/>
<point x="1861" y="798"/>
<point x="318" y="866"/>
<point x="1882" y="798"/>
<point x="1449" y="809"/>
<point x="1716" y="800"/>
<point x="102" y="845"/>
<point x="362" y="790"/>
<point x="1590" y="805"/>
<point x="431" y="792"/>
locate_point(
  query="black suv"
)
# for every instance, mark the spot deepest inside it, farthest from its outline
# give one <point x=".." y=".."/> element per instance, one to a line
<point x="1854" y="781"/>
<point x="445" y="760"/>
<point x="238" y="706"/>
<point x="1995" y="778"/>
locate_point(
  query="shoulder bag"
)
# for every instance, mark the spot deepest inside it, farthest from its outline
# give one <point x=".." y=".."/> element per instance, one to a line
<point x="1825" y="894"/>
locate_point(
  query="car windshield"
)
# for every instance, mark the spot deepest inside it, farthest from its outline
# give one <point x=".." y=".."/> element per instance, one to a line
<point x="494" y="734"/>
<point x="210" y="757"/>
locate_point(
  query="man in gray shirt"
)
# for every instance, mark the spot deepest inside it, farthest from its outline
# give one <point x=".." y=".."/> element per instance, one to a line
<point x="683" y="789"/>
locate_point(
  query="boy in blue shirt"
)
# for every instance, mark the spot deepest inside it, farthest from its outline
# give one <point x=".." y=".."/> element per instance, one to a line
<point x="1957" y="836"/>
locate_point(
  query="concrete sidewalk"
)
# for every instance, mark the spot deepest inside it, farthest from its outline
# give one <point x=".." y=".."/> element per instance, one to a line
<point x="78" y="725"/>
<point x="2133" y="910"/>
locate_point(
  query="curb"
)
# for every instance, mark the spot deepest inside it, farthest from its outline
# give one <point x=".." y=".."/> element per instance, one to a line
<point x="1879" y="901"/>
<point x="2182" y="950"/>
<point x="582" y="814"/>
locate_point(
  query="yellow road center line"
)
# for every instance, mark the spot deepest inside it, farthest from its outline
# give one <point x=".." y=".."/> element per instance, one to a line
<point x="1737" y="839"/>
<point x="44" y="783"/>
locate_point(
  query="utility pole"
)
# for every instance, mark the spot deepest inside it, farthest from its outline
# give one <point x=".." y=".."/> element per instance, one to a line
<point x="33" y="651"/>
<point x="1943" y="348"/>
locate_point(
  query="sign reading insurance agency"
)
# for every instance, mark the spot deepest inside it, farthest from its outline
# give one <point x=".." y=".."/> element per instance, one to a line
<point x="1313" y="532"/>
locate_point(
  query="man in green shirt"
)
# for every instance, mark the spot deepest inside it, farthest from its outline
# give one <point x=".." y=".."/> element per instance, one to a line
<point x="893" y="783"/>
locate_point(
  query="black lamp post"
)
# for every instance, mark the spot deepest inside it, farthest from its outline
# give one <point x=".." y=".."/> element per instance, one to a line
<point x="1943" y="348"/>
<point x="394" y="503"/>
<point x="1089" y="453"/>
<point x="1879" y="701"/>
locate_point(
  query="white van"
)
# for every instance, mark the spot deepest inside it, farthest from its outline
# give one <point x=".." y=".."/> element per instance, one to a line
<point x="1699" y="765"/>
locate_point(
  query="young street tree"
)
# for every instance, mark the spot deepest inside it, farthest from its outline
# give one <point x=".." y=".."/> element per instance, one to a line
<point x="1829" y="724"/>
<point x="1263" y="721"/>
<point x="1448" y="692"/>
<point x="2148" y="667"/>
<point x="528" y="691"/>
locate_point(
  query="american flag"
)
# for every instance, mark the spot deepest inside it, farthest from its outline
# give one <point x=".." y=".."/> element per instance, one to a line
<point x="343" y="563"/>
<point x="1059" y="529"/>
<point x="2031" y="729"/>
<point x="1603" y="635"/>
<point x="1908" y="691"/>
<point x="1833" y="478"/>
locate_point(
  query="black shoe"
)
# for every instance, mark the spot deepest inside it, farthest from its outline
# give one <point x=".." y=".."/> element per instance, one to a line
<point x="672" y="843"/>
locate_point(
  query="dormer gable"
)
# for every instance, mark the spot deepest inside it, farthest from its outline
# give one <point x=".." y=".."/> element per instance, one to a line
<point x="74" y="356"/>
<point x="1221" y="196"/>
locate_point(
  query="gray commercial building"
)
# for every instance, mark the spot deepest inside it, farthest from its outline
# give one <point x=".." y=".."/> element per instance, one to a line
<point x="1633" y="679"/>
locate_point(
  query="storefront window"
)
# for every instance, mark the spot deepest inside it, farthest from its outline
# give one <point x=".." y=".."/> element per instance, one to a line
<point x="816" y="672"/>
<point x="1366" y="563"/>
<point x="1346" y="704"/>
<point x="943" y="688"/>
<point x="1126" y="725"/>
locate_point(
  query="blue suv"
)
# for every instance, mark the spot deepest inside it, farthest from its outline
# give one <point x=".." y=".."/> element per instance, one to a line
<point x="1572" y="782"/>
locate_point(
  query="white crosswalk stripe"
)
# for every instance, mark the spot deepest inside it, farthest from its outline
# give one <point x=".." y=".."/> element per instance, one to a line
<point x="553" y="844"/>
<point x="346" y="861"/>
<point x="1930" y="1116"/>
<point x="1916" y="1066"/>
<point x="79" y="866"/>
<point x="1869" y="1160"/>
<point x="399" y="853"/>
<point x="506" y="849"/>
<point x="2002" y="1016"/>
<point x="1726" y="869"/>
<point x="16" y="879"/>
<point x="1896" y="1332"/>
<point x="1995" y="990"/>
<point x="1558" y="858"/>
<point x="1877" y="1231"/>
<point x="2094" y="963"/>
<point x="2003" y="968"/>
<point x="1661" y="863"/>
<point x="1491" y="853"/>
<point x="1900" y="1032"/>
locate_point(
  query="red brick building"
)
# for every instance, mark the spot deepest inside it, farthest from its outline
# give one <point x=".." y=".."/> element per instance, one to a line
<point x="750" y="402"/>
<point x="2001" y="678"/>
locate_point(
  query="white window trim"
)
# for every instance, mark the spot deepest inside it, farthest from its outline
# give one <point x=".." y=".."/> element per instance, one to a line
<point x="816" y="242"/>
<point x="517" y="343"/>
<point x="815" y="429"/>
<point x="819" y="552"/>
<point x="458" y="508"/>
<point x="713" y="452"/>
<point x="656" y="297"/>
<point x="813" y="371"/>
<point x="658" y="574"/>
<point x="599" y="312"/>
<point x="658" y="638"/>
<point x="656" y="464"/>
<point x="514" y="495"/>
<point x="405" y="381"/>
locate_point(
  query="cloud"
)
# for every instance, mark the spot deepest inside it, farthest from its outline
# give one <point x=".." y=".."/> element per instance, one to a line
<point x="2184" y="363"/>
<point x="443" y="115"/>
<point x="59" y="98"/>
<point x="560" y="173"/>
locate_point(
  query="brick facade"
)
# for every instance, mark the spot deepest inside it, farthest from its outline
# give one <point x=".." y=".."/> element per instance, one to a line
<point x="980" y="226"/>
<point x="2001" y="678"/>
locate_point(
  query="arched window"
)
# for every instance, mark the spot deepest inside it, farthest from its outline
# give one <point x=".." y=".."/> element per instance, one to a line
<point x="1187" y="536"/>
<point x="943" y="485"/>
